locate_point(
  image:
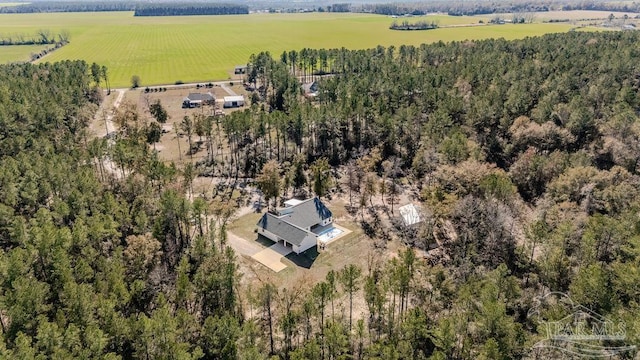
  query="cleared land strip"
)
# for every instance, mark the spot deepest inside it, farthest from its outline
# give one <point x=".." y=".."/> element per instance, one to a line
<point x="242" y="246"/>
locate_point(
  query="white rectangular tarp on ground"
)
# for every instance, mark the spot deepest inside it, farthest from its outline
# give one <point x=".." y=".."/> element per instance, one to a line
<point x="410" y="214"/>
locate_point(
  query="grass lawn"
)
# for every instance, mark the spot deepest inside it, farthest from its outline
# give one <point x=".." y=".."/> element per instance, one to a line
<point x="163" y="50"/>
<point x="353" y="248"/>
<point x="350" y="249"/>
<point x="349" y="244"/>
<point x="244" y="226"/>
<point x="15" y="53"/>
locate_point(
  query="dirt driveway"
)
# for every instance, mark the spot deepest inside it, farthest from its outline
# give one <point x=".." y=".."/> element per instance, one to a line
<point x="242" y="246"/>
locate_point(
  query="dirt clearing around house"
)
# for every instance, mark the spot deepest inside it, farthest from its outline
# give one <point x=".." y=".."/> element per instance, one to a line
<point x="351" y="247"/>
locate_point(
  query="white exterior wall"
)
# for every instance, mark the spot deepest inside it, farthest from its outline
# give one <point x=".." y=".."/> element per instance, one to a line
<point x="308" y="242"/>
<point x="229" y="104"/>
<point x="268" y="234"/>
<point x="230" y="100"/>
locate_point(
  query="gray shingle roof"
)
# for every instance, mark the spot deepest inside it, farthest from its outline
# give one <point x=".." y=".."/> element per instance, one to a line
<point x="308" y="213"/>
<point x="200" y="97"/>
<point x="291" y="233"/>
<point x="292" y="226"/>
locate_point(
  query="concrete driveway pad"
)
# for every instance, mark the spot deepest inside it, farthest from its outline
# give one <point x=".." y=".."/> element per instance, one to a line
<point x="270" y="257"/>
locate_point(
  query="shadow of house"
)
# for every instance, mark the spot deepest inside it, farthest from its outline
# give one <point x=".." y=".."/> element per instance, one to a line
<point x="304" y="259"/>
<point x="264" y="241"/>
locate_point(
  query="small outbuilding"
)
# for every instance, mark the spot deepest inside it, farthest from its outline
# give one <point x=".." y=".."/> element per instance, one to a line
<point x="310" y="89"/>
<point x="233" y="101"/>
<point x="240" y="69"/>
<point x="195" y="100"/>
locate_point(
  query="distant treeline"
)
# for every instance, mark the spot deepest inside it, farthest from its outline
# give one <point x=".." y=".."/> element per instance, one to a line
<point x="194" y="7"/>
<point x="459" y="8"/>
<point x="397" y="9"/>
<point x="141" y="9"/>
<point x="492" y="8"/>
<point x="420" y="25"/>
<point x="178" y="9"/>
<point x="451" y="8"/>
<point x="344" y="7"/>
<point x="42" y="37"/>
<point x="68" y="6"/>
<point x="621" y="6"/>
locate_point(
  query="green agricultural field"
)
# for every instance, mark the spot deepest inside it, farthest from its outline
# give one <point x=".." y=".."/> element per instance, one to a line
<point x="14" y="53"/>
<point x="200" y="48"/>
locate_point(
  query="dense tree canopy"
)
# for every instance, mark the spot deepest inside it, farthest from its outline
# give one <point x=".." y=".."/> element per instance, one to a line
<point x="524" y="155"/>
<point x="139" y="8"/>
<point x="181" y="9"/>
<point x="94" y="260"/>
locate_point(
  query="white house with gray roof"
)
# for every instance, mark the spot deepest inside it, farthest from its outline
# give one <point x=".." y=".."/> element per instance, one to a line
<point x="298" y="225"/>
<point x="197" y="100"/>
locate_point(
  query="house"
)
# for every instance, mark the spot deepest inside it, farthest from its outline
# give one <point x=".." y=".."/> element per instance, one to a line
<point x="301" y="224"/>
<point x="197" y="99"/>
<point x="310" y="89"/>
<point x="240" y="69"/>
<point x="233" y="101"/>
